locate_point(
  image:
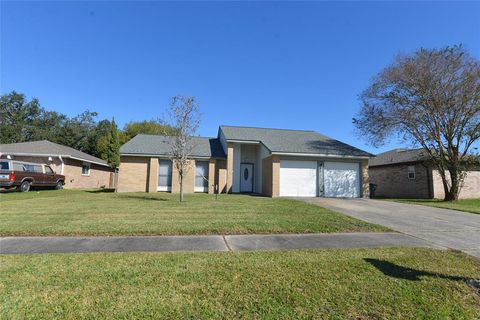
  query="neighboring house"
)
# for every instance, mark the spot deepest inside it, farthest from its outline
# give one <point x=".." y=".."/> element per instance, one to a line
<point x="81" y="170"/>
<point x="407" y="173"/>
<point x="271" y="162"/>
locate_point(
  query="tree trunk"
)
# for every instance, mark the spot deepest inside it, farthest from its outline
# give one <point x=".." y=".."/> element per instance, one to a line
<point x="181" y="188"/>
<point x="454" y="191"/>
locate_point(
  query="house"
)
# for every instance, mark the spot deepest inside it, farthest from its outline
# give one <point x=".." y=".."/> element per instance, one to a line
<point x="81" y="170"/>
<point x="407" y="173"/>
<point x="271" y="162"/>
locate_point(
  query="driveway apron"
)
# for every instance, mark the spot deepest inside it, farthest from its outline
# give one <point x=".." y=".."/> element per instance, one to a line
<point x="441" y="227"/>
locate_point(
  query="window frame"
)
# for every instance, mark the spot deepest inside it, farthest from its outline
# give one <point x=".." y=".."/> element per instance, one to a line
<point x="87" y="165"/>
<point x="168" y="175"/>
<point x="411" y="172"/>
<point x="204" y="177"/>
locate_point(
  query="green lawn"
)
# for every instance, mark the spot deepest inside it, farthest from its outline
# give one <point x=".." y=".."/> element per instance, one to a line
<point x="333" y="284"/>
<point x="68" y="212"/>
<point x="467" y="205"/>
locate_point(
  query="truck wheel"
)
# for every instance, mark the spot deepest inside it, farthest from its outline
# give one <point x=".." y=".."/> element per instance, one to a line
<point x="24" y="187"/>
<point x="59" y="185"/>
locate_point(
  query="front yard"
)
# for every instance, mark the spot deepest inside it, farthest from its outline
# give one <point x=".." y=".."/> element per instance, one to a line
<point x="333" y="284"/>
<point x="80" y="212"/>
<point x="467" y="205"/>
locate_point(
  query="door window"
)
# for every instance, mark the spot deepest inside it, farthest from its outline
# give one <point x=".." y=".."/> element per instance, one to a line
<point x="48" y="170"/>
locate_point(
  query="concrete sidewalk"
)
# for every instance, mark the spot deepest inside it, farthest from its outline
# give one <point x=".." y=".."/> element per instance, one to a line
<point x="19" y="245"/>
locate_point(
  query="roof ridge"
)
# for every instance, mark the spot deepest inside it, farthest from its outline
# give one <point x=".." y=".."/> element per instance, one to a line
<point x="163" y="135"/>
<point x="263" y="128"/>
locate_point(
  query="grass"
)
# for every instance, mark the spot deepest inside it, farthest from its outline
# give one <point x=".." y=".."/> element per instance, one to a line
<point x="467" y="205"/>
<point x="74" y="212"/>
<point x="329" y="284"/>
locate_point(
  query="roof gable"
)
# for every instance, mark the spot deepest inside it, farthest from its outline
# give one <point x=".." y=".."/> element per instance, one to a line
<point x="48" y="148"/>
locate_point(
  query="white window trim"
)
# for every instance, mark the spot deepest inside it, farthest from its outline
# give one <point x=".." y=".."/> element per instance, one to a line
<point x="89" y="169"/>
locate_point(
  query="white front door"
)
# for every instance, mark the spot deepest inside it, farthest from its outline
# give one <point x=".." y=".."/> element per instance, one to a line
<point x="246" y="177"/>
<point x="298" y="178"/>
<point x="342" y="179"/>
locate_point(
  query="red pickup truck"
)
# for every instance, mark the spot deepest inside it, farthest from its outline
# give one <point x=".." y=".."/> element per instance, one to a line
<point x="24" y="175"/>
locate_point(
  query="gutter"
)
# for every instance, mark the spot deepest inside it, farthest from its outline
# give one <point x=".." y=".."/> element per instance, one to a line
<point x="165" y="156"/>
<point x="54" y="155"/>
<point x="318" y="155"/>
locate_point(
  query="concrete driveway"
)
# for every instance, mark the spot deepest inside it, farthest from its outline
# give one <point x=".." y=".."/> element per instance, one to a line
<point x="441" y="227"/>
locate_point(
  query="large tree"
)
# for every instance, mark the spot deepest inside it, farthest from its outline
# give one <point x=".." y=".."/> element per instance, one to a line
<point x="430" y="98"/>
<point x="17" y="118"/>
<point x="132" y="128"/>
<point x="184" y="115"/>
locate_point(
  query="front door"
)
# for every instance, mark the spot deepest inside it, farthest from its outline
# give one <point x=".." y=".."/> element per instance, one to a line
<point x="246" y="177"/>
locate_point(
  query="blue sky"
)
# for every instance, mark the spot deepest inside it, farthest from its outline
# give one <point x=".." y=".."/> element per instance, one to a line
<point x="268" y="64"/>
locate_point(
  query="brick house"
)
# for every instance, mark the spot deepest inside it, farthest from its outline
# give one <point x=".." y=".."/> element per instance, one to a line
<point x="81" y="170"/>
<point x="271" y="162"/>
<point x="407" y="173"/>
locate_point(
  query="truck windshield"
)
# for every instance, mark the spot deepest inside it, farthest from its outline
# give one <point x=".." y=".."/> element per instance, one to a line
<point x="3" y="165"/>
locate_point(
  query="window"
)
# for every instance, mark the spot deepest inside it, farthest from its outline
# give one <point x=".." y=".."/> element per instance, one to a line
<point x="85" y="169"/>
<point x="411" y="172"/>
<point x="4" y="165"/>
<point x="48" y="170"/>
<point x="201" y="176"/>
<point x="165" y="175"/>
<point x="33" y="168"/>
<point x="19" y="167"/>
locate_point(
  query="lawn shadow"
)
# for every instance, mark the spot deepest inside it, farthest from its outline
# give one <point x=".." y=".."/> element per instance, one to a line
<point x="103" y="190"/>
<point x="393" y="270"/>
<point x="141" y="197"/>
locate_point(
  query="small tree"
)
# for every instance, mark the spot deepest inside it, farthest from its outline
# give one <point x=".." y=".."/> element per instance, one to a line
<point x="108" y="145"/>
<point x="183" y="115"/>
<point x="430" y="98"/>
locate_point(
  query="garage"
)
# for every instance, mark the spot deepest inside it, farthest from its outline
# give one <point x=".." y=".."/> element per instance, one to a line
<point x="341" y="179"/>
<point x="300" y="178"/>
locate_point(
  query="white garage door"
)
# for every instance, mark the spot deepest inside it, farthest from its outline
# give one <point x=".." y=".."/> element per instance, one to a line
<point x="342" y="179"/>
<point x="298" y="178"/>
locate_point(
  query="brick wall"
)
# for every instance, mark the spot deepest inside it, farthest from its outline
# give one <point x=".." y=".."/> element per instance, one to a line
<point x="470" y="189"/>
<point x="221" y="176"/>
<point x="133" y="174"/>
<point x="100" y="176"/>
<point x="188" y="179"/>
<point x="365" y="178"/>
<point x="271" y="176"/>
<point x="392" y="181"/>
<point x="229" y="167"/>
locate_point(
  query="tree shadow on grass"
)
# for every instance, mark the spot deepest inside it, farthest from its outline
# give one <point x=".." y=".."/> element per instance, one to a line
<point x="393" y="270"/>
<point x="103" y="190"/>
<point x="141" y="197"/>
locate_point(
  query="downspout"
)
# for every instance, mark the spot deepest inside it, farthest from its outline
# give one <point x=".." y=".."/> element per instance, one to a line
<point x="63" y="164"/>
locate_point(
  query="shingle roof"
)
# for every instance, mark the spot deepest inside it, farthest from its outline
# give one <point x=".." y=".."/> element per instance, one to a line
<point x="292" y="141"/>
<point x="47" y="148"/>
<point x="158" y="145"/>
<point x="397" y="156"/>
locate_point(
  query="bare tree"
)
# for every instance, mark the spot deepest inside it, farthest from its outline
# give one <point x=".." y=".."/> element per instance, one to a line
<point x="183" y="115"/>
<point x="430" y="98"/>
